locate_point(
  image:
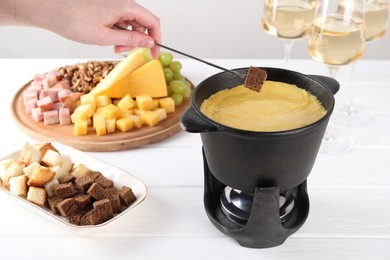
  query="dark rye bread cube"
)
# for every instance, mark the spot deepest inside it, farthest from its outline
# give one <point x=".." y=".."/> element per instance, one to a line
<point x="67" y="207"/>
<point x="82" y="184"/>
<point x="66" y="178"/>
<point x="92" y="217"/>
<point x="93" y="175"/>
<point x="126" y="196"/>
<point x="75" y="218"/>
<point x="96" y="191"/>
<point x="110" y="191"/>
<point x="115" y="203"/>
<point x="255" y="78"/>
<point x="52" y="203"/>
<point x="104" y="182"/>
<point x="65" y="190"/>
<point x="83" y="201"/>
<point x="104" y="206"/>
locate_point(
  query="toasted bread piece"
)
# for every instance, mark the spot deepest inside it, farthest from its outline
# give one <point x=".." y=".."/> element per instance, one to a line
<point x="40" y="176"/>
<point x="50" y="187"/>
<point x="255" y="78"/>
<point x="80" y="171"/>
<point x="42" y="148"/>
<point x="4" y="164"/>
<point x="28" y="170"/>
<point x="36" y="195"/>
<point x="29" y="154"/>
<point x="59" y="164"/>
<point x="18" y="185"/>
<point x="15" y="169"/>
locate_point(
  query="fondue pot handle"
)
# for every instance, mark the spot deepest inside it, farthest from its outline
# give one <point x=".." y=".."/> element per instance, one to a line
<point x="330" y="83"/>
<point x="192" y="122"/>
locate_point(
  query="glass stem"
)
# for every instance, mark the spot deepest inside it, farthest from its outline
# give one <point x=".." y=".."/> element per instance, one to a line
<point x="287" y="50"/>
<point x="350" y="89"/>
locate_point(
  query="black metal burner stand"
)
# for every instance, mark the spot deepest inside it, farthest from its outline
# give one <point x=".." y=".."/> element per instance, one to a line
<point x="264" y="227"/>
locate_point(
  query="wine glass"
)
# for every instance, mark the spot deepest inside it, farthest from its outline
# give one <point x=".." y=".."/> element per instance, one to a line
<point x="288" y="20"/>
<point x="337" y="39"/>
<point x="376" y="15"/>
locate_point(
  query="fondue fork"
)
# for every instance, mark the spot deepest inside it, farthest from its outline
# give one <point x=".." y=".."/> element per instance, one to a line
<point x="242" y="76"/>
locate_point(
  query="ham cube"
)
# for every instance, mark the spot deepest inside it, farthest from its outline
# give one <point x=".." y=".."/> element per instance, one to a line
<point x="67" y="99"/>
<point x="64" y="116"/>
<point x="63" y="84"/>
<point x="52" y="93"/>
<point x="37" y="114"/>
<point x="30" y="104"/>
<point x="54" y="74"/>
<point x="50" y="117"/>
<point x="45" y="104"/>
<point x="36" y="85"/>
<point x="39" y="77"/>
<point x="49" y="82"/>
<point x="30" y="93"/>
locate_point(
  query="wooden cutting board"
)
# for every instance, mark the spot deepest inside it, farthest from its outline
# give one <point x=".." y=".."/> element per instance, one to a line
<point x="92" y="143"/>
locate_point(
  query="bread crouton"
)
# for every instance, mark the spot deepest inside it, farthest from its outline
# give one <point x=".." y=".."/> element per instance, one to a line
<point x="29" y="154"/>
<point x="42" y="148"/>
<point x="15" y="169"/>
<point x="28" y="170"/>
<point x="58" y="163"/>
<point x="50" y="187"/>
<point x="80" y="171"/>
<point x="40" y="176"/>
<point x="4" y="164"/>
<point x="18" y="185"/>
<point x="36" y="195"/>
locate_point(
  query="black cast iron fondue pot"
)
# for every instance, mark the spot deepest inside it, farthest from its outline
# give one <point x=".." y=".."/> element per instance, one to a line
<point x="246" y="160"/>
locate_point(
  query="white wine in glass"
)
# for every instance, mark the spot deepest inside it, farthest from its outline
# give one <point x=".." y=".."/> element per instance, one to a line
<point x="288" y="20"/>
<point x="376" y="16"/>
<point x="337" y="39"/>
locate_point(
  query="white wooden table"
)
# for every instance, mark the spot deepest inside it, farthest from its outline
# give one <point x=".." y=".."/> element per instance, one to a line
<point x="349" y="193"/>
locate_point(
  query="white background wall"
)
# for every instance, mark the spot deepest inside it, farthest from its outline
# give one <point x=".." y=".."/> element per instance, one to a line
<point x="204" y="28"/>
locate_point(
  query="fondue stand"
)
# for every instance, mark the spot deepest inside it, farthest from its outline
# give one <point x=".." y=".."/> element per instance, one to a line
<point x="255" y="182"/>
<point x="263" y="219"/>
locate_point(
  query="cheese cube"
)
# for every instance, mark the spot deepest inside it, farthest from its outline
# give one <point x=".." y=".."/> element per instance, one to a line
<point x="168" y="104"/>
<point x="110" y="111"/>
<point x="161" y="113"/>
<point x="102" y="100"/>
<point x="149" y="118"/>
<point x="144" y="102"/>
<point x="137" y="121"/>
<point x="126" y="102"/>
<point x="125" y="113"/>
<point x="88" y="99"/>
<point x="99" y="124"/>
<point x="139" y="112"/>
<point x="110" y="125"/>
<point x="80" y="127"/>
<point x="156" y="103"/>
<point x="124" y="124"/>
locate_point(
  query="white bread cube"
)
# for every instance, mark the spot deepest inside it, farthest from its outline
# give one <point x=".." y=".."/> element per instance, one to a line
<point x="57" y="163"/>
<point x="29" y="154"/>
<point x="4" y="164"/>
<point x="40" y="176"/>
<point x="18" y="185"/>
<point x="28" y="170"/>
<point x="80" y="171"/>
<point x="50" y="187"/>
<point x="15" y="169"/>
<point x="36" y="195"/>
<point x="42" y="148"/>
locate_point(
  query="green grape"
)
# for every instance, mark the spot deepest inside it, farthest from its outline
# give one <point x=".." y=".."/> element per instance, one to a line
<point x="168" y="74"/>
<point x="165" y="59"/>
<point x="187" y="92"/>
<point x="178" y="76"/>
<point x="170" y="92"/>
<point x="177" y="98"/>
<point x="146" y="53"/>
<point x="177" y="86"/>
<point x="175" y="66"/>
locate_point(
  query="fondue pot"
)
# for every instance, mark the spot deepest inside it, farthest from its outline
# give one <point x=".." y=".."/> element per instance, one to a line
<point x="260" y="168"/>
